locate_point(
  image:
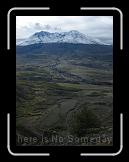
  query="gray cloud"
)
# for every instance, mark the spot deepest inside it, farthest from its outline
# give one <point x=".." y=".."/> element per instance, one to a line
<point x="99" y="27"/>
<point x="38" y="26"/>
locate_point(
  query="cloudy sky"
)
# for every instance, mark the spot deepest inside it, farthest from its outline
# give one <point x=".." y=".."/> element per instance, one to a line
<point x="100" y="27"/>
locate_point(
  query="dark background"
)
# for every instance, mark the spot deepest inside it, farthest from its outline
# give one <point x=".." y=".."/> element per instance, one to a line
<point x="7" y="77"/>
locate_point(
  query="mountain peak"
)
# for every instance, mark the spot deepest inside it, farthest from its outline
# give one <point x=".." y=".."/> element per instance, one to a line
<point x="72" y="36"/>
<point x="74" y="31"/>
<point x="40" y="33"/>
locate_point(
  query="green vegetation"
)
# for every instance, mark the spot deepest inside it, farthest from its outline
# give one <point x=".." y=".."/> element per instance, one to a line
<point x="63" y="95"/>
<point x="83" y="121"/>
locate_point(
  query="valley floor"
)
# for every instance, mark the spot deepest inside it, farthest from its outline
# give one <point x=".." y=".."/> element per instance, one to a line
<point x="64" y="100"/>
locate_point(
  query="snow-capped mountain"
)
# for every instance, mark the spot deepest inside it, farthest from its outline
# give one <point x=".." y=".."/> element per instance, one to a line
<point x="72" y="36"/>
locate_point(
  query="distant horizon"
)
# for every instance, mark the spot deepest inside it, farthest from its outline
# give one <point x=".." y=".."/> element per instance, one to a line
<point x="97" y="27"/>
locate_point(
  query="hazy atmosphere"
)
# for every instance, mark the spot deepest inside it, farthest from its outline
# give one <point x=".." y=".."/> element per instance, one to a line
<point x="99" y="27"/>
<point x="64" y="81"/>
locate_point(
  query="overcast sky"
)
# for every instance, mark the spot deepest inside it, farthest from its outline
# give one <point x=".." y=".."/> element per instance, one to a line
<point x="100" y="27"/>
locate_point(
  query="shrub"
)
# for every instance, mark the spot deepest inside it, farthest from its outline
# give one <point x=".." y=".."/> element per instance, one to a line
<point x="83" y="121"/>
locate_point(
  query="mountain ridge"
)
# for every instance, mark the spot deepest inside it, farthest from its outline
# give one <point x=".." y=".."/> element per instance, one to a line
<point x="72" y="36"/>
